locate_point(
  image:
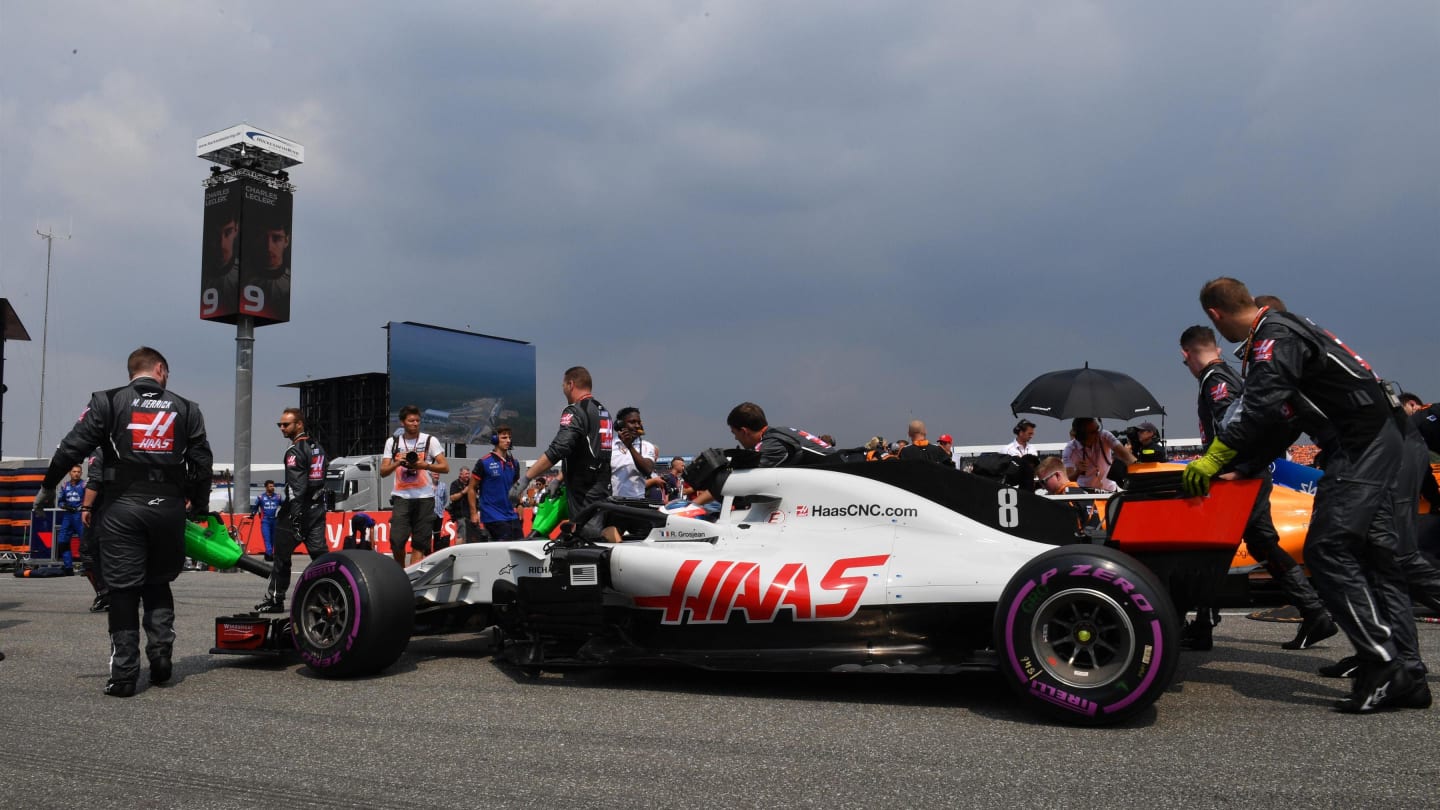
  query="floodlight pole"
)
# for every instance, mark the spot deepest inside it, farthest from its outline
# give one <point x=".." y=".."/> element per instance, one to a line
<point x="244" y="405"/>
<point x="49" y="238"/>
<point x="251" y="152"/>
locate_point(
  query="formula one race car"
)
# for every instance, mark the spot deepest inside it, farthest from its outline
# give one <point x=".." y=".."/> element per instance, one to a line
<point x="900" y="567"/>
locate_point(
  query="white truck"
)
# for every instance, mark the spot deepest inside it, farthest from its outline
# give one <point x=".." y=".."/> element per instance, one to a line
<point x="355" y="485"/>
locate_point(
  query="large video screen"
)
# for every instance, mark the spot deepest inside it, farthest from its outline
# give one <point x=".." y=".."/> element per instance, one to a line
<point x="245" y="269"/>
<point x="464" y="384"/>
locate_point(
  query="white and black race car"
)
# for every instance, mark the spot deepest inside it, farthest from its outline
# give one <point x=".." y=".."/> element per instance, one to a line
<point x="898" y="567"/>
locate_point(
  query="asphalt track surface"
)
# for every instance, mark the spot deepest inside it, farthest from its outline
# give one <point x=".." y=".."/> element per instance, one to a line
<point x="1247" y="724"/>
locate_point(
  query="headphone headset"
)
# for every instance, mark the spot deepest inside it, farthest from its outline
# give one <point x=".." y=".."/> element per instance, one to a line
<point x="495" y="439"/>
<point x="1021" y="426"/>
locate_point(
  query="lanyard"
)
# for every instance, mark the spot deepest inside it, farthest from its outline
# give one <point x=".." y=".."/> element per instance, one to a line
<point x="1250" y="340"/>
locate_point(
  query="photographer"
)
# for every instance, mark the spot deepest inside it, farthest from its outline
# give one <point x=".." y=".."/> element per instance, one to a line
<point x="412" y="456"/>
<point x="1145" y="443"/>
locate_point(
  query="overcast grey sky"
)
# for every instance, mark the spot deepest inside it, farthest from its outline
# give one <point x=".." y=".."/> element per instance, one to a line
<point x="851" y="213"/>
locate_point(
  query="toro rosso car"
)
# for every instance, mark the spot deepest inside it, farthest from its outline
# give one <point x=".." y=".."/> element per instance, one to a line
<point x="900" y="567"/>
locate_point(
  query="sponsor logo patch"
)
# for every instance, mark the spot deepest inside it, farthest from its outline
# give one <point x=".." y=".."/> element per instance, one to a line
<point x="152" y="432"/>
<point x="855" y="510"/>
<point x="1220" y="391"/>
<point x="1264" y="351"/>
<point x="708" y="592"/>
<point x="565" y="419"/>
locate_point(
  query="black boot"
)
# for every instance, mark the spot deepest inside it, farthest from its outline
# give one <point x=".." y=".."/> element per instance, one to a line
<point x="1344" y="668"/>
<point x="272" y="604"/>
<point x="1316" y="627"/>
<point x="1197" y="635"/>
<point x="101" y="603"/>
<point x="160" y="669"/>
<point x="1378" y="686"/>
<point x="120" y="688"/>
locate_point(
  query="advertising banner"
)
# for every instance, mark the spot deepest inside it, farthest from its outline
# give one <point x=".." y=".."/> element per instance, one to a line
<point x="246" y="268"/>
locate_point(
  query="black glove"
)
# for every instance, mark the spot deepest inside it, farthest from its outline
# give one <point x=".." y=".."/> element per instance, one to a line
<point x="517" y="490"/>
<point x="44" y="499"/>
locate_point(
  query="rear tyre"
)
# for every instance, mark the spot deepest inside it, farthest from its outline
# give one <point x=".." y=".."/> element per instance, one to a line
<point x="1086" y="635"/>
<point x="352" y="613"/>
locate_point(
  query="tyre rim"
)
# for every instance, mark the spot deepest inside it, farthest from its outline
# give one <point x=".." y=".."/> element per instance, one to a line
<point x="1083" y="638"/>
<point x="325" y="614"/>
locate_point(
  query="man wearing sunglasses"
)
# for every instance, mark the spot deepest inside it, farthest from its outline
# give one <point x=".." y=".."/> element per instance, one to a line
<point x="302" y="515"/>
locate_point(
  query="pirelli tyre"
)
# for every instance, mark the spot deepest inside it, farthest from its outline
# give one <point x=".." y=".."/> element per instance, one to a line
<point x="352" y="613"/>
<point x="1086" y="635"/>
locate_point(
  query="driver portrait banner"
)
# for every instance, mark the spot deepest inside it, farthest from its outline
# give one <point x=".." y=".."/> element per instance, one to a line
<point x="247" y="252"/>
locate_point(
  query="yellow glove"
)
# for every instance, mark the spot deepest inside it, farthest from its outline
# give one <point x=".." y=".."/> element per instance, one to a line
<point x="1197" y="475"/>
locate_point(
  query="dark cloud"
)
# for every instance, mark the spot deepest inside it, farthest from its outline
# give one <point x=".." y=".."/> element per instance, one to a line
<point x="853" y="214"/>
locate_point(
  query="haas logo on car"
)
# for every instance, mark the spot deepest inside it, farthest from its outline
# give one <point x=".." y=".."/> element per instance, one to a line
<point x="701" y="595"/>
<point x="152" y="432"/>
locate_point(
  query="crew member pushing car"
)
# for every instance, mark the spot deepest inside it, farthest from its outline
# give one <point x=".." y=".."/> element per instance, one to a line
<point x="1294" y="370"/>
<point x="1220" y="388"/>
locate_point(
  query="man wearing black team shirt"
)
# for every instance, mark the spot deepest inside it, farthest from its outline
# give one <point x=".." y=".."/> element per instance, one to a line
<point x="155" y="457"/>
<point x="1220" y="388"/>
<point x="302" y="516"/>
<point x="583" y="443"/>
<point x="1299" y="376"/>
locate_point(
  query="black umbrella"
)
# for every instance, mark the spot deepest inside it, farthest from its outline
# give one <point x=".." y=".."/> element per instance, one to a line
<point x="1078" y="392"/>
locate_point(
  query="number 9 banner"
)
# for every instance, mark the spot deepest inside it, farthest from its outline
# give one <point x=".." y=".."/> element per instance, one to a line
<point x="245" y="268"/>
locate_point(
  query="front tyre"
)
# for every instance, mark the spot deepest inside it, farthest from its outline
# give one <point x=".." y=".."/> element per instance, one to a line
<point x="1086" y="635"/>
<point x="352" y="613"/>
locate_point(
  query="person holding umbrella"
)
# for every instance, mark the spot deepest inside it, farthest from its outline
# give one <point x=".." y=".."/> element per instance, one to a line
<point x="1089" y="455"/>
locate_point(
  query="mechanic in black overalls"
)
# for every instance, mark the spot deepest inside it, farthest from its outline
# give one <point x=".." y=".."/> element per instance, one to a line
<point x="155" y="457"/>
<point x="583" y="443"/>
<point x="1425" y="419"/>
<point x="302" y="515"/>
<point x="1220" y="388"/>
<point x="1295" y="370"/>
<point x="778" y="446"/>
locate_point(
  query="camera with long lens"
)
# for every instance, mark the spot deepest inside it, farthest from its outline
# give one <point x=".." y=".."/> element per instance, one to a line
<point x="411" y="459"/>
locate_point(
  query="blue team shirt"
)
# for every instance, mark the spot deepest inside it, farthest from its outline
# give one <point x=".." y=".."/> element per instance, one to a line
<point x="496" y="476"/>
<point x="268" y="505"/>
<point x="71" y="496"/>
